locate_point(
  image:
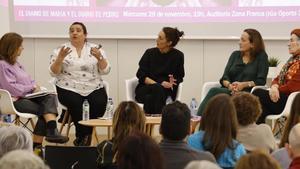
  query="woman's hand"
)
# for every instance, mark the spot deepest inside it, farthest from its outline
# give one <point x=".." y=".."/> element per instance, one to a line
<point x="167" y="85"/>
<point x="96" y="53"/>
<point x="63" y="52"/>
<point x="274" y="93"/>
<point x="36" y="88"/>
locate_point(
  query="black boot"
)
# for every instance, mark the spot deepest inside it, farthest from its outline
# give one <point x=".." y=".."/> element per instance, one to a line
<point x="53" y="136"/>
<point x="83" y="141"/>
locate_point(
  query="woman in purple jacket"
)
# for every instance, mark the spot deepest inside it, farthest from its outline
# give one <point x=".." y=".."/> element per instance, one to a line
<point x="15" y="80"/>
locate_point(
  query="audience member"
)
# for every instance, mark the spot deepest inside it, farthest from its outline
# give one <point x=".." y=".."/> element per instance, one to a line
<point x="14" y="138"/>
<point x="294" y="118"/>
<point x="288" y="81"/>
<point x="175" y="126"/>
<point x="127" y="118"/>
<point x="77" y="67"/>
<point x="257" y="160"/>
<point x="161" y="69"/>
<point x="293" y="147"/>
<point x="245" y="68"/>
<point x="18" y="83"/>
<point x="251" y="135"/>
<point x="139" y="151"/>
<point x="21" y="159"/>
<point x="202" y="165"/>
<point x="218" y="130"/>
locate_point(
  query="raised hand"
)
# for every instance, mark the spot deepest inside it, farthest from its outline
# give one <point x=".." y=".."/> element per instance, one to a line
<point x="95" y="51"/>
<point x="63" y="52"/>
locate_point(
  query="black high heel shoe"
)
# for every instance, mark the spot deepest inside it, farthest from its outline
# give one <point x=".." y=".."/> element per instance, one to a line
<point x="83" y="141"/>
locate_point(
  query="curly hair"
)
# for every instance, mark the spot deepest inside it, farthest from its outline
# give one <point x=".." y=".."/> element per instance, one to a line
<point x="248" y="108"/>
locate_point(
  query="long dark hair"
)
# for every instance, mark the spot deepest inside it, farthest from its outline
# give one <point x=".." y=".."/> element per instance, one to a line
<point x="258" y="44"/>
<point x="293" y="119"/>
<point x="219" y="123"/>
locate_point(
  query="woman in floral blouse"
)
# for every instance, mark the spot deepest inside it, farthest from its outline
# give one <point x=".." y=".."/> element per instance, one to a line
<point x="78" y="66"/>
<point x="288" y="81"/>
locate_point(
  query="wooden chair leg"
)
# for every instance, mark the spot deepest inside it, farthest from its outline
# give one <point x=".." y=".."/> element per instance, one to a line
<point x="69" y="125"/>
<point x="63" y="122"/>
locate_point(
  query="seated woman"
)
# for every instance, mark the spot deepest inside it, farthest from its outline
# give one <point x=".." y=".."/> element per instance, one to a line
<point x="160" y="71"/>
<point x="139" y="151"/>
<point x="288" y="81"/>
<point x="218" y="130"/>
<point x="77" y="67"/>
<point x="245" y="68"/>
<point x="251" y="135"/>
<point x="19" y="83"/>
<point x="127" y="118"/>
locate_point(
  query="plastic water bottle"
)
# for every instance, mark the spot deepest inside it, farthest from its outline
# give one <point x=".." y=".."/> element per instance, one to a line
<point x="169" y="100"/>
<point x="110" y="108"/>
<point x="193" y="107"/>
<point x="7" y="118"/>
<point x="85" y="110"/>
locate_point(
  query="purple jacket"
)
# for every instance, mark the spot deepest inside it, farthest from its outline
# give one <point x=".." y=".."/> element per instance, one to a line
<point x="14" y="79"/>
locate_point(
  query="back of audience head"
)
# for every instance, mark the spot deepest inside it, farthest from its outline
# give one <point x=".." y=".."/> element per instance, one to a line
<point x="292" y="120"/>
<point x="175" y="121"/>
<point x="21" y="159"/>
<point x="219" y="123"/>
<point x="14" y="138"/>
<point x="172" y="35"/>
<point x="139" y="151"/>
<point x="248" y="108"/>
<point x="127" y="118"/>
<point x="293" y="147"/>
<point x="202" y="165"/>
<point x="257" y="160"/>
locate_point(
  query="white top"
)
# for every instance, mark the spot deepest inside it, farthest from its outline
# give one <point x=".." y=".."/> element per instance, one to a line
<point x="256" y="136"/>
<point x="79" y="74"/>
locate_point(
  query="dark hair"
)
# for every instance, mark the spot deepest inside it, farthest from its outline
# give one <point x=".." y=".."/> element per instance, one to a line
<point x="293" y="119"/>
<point x="248" y="108"/>
<point x="257" y="160"/>
<point x="139" y="151"/>
<point x="172" y="35"/>
<point x="175" y="121"/>
<point x="296" y="32"/>
<point x="127" y="117"/>
<point x="219" y="123"/>
<point x="81" y="24"/>
<point x="9" y="46"/>
<point x="257" y="41"/>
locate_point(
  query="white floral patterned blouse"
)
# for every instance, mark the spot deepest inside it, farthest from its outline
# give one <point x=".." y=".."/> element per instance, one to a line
<point x="79" y="74"/>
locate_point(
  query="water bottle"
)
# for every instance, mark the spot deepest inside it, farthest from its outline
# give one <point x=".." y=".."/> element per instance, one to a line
<point x="7" y="118"/>
<point x="193" y="107"/>
<point x="85" y="110"/>
<point x="169" y="100"/>
<point x="110" y="108"/>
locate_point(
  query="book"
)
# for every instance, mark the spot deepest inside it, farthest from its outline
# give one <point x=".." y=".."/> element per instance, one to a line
<point x="42" y="92"/>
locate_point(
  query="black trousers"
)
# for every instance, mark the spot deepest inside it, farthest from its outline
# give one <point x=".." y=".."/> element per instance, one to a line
<point x="153" y="97"/>
<point x="73" y="101"/>
<point x="268" y="106"/>
<point x="38" y="106"/>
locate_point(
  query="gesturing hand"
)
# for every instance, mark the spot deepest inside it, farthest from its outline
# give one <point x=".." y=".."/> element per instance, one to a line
<point x="63" y="52"/>
<point x="96" y="53"/>
<point x="172" y="80"/>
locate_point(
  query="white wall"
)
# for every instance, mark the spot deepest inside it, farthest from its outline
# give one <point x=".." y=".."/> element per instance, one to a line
<point x="205" y="60"/>
<point x="4" y="18"/>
